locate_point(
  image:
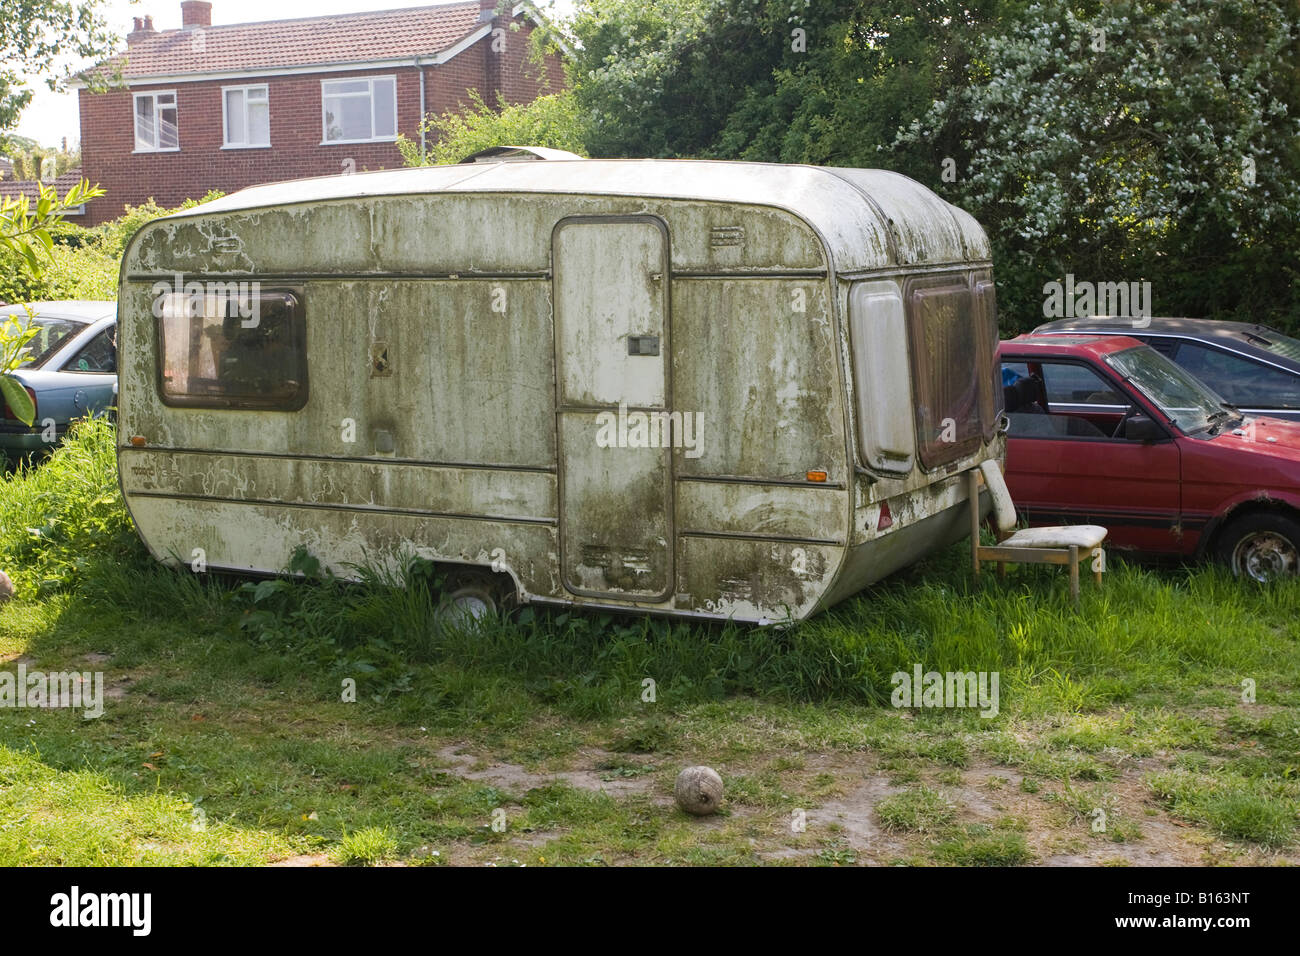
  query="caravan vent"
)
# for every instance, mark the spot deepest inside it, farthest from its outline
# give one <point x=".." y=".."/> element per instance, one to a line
<point x="721" y="236"/>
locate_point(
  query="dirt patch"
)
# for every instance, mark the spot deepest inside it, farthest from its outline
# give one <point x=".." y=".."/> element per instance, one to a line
<point x="305" y="859"/>
<point x="855" y="815"/>
<point x="515" y="778"/>
<point x="1056" y="819"/>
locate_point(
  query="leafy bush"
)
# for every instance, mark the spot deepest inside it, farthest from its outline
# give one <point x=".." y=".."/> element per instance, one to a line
<point x="553" y="120"/>
<point x="83" y="262"/>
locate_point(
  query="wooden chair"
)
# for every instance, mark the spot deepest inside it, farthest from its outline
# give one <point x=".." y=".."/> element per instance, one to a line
<point x="1056" y="545"/>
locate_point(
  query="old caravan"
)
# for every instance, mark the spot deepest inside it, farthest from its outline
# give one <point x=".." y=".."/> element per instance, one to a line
<point x="726" y="390"/>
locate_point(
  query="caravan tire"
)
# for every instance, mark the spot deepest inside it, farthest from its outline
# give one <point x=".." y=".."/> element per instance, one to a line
<point x="471" y="598"/>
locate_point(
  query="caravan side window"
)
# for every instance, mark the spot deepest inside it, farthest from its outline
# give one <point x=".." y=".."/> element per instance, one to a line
<point x="232" y="347"/>
<point x="986" y="315"/>
<point x="948" y="368"/>
<point x="878" y="334"/>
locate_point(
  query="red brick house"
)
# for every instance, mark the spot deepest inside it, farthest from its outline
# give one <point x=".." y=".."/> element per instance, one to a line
<point x="223" y="107"/>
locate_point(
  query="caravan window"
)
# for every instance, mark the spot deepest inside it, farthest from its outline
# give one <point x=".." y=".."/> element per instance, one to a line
<point x="878" y="334"/>
<point x="232" y="348"/>
<point x="986" y="315"/>
<point x="950" y="368"/>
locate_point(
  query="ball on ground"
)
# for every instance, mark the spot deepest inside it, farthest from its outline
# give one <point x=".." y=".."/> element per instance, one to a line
<point x="698" y="790"/>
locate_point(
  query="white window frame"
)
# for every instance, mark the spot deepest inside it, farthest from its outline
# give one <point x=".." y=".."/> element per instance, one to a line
<point x="225" y="127"/>
<point x="157" y="125"/>
<point x="370" y="94"/>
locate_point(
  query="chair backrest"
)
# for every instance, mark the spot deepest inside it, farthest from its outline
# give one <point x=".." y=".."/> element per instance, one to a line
<point x="1004" y="509"/>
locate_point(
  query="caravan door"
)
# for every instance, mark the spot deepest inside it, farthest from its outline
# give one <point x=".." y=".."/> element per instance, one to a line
<point x="613" y="392"/>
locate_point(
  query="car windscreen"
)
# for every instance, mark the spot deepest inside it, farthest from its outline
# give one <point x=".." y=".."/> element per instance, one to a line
<point x="1182" y="398"/>
<point x="51" y="335"/>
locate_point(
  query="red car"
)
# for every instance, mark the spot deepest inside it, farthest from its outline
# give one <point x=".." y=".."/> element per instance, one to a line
<point x="1105" y="430"/>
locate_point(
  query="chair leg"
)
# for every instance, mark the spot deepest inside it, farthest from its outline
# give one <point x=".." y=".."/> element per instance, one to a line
<point x="1074" y="574"/>
<point x="973" y="484"/>
<point x="1098" y="565"/>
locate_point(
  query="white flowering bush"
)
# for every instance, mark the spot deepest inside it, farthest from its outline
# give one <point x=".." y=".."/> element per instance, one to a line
<point x="1150" y="141"/>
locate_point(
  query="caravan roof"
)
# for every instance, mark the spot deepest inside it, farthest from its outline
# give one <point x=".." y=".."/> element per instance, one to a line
<point x="905" y="224"/>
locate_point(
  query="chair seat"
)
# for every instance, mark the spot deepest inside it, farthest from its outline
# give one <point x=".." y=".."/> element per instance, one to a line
<point x="1084" y="536"/>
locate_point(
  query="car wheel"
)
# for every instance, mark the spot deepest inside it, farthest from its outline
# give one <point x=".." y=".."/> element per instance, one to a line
<point x="472" y="598"/>
<point x="1262" y="546"/>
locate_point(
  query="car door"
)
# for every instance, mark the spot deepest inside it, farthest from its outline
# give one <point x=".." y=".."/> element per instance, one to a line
<point x="95" y="366"/>
<point x="1066" y="466"/>
<point x="85" y="383"/>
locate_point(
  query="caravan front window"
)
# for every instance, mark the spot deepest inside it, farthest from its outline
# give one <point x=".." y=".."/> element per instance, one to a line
<point x="232" y="348"/>
<point x="952" y="374"/>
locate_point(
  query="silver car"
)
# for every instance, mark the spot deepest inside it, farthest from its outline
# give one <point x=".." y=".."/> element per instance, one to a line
<point x="73" y="371"/>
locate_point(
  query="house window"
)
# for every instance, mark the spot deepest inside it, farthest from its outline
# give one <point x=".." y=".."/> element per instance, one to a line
<point x="359" y="111"/>
<point x="247" y="115"/>
<point x="155" y="122"/>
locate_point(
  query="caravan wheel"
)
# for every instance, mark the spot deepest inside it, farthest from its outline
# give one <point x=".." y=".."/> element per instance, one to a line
<point x="472" y="598"/>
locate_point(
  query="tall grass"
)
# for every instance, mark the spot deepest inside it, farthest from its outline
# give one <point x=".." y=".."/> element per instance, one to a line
<point x="1146" y="632"/>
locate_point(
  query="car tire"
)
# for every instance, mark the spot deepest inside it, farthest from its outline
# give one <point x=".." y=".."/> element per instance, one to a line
<point x="1263" y="546"/>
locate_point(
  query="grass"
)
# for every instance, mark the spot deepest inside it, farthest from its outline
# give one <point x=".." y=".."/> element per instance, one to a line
<point x="231" y="699"/>
<point x="367" y="847"/>
<point x="919" y="811"/>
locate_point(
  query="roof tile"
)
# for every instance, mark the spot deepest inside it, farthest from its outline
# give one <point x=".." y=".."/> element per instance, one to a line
<point x="31" y="188"/>
<point x="277" y="44"/>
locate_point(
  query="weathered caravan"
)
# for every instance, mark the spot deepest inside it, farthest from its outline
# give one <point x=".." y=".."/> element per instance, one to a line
<point x="726" y="390"/>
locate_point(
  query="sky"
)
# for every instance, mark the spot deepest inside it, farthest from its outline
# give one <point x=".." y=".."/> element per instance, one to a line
<point x="52" y="116"/>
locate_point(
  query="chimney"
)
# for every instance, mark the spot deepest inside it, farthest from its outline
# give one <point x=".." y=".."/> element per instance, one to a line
<point x="196" y="13"/>
<point x="487" y="10"/>
<point x="142" y="28"/>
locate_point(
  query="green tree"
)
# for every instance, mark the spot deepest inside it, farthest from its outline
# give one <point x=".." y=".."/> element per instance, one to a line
<point x="770" y="80"/>
<point x="1133" y="141"/>
<point x="35" y="161"/>
<point x="40" y="37"/>
<point x="661" y="77"/>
